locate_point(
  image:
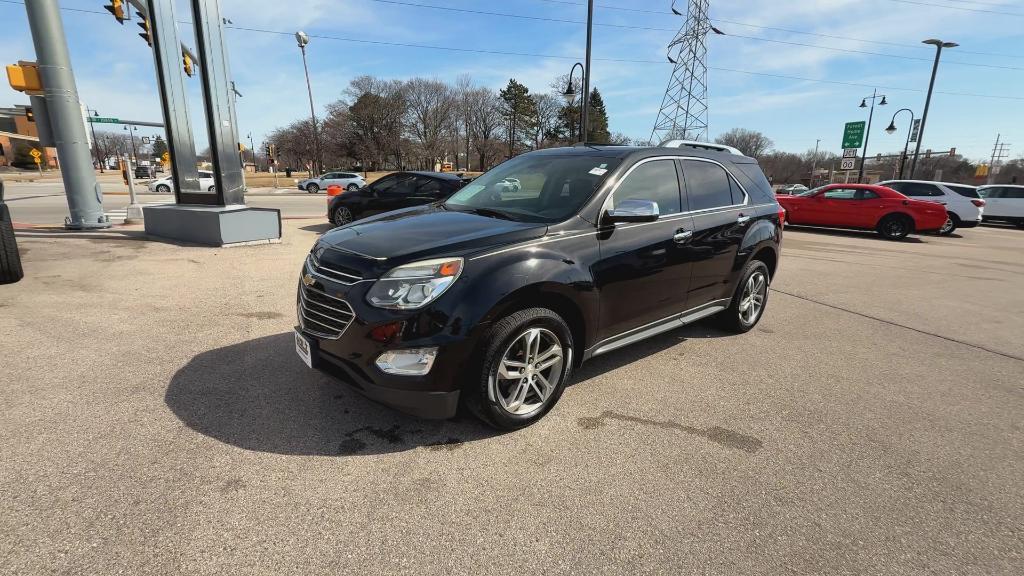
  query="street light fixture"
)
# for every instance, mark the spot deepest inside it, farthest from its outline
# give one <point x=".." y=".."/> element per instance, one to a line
<point x="570" y="99"/>
<point x="939" y="45"/>
<point x="892" y="129"/>
<point x="95" y="142"/>
<point x="867" y="133"/>
<point x="303" y="39"/>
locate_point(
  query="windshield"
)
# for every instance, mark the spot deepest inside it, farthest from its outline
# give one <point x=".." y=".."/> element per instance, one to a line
<point x="534" y="188"/>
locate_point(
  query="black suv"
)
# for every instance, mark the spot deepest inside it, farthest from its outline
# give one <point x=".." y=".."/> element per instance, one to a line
<point x="492" y="297"/>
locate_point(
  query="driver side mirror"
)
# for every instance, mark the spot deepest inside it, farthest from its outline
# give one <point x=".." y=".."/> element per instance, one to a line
<point x="633" y="211"/>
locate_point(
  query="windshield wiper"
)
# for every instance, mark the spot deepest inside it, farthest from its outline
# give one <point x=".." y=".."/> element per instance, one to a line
<point x="493" y="212"/>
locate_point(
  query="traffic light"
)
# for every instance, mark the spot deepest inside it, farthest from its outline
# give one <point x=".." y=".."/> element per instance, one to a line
<point x="117" y="8"/>
<point x="145" y="34"/>
<point x="30" y="115"/>
<point x="186" y="61"/>
<point x="24" y="77"/>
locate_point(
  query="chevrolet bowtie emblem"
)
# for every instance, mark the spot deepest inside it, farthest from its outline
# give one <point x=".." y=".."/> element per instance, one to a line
<point x="308" y="280"/>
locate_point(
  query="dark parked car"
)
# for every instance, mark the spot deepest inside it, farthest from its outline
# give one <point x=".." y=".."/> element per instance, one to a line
<point x="10" y="259"/>
<point x="493" y="297"/>
<point x="392" y="192"/>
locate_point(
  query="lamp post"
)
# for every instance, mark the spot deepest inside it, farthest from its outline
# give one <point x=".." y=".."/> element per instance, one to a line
<point x="892" y="128"/>
<point x="131" y="138"/>
<point x="585" y="128"/>
<point x="570" y="99"/>
<point x="867" y="133"/>
<point x="939" y="45"/>
<point x="252" y="152"/>
<point x="95" y="142"/>
<point x="302" y="39"/>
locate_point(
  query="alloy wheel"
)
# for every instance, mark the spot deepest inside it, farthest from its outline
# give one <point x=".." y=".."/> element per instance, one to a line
<point x="529" y="372"/>
<point x="342" y="216"/>
<point x="896" y="228"/>
<point x="752" y="300"/>
<point x="947" y="227"/>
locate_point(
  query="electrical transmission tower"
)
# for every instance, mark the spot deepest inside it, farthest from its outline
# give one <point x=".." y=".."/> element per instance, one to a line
<point x="684" y="108"/>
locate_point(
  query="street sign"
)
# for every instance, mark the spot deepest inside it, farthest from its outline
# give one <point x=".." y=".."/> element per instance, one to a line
<point x="36" y="154"/>
<point x="37" y="160"/>
<point x="853" y="134"/>
<point x="104" y="120"/>
<point x="145" y="139"/>
<point x="850" y="152"/>
<point x="848" y="164"/>
<point x="915" y="129"/>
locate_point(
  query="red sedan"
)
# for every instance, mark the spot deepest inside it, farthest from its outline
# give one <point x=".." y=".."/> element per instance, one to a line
<point x="866" y="207"/>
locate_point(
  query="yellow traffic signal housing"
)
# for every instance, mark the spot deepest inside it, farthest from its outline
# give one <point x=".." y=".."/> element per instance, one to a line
<point x="24" y="77"/>
<point x="186" y="61"/>
<point x="145" y="34"/>
<point x="116" y="7"/>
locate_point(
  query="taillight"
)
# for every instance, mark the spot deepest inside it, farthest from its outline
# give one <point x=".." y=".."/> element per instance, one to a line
<point x="782" y="216"/>
<point x="977" y="202"/>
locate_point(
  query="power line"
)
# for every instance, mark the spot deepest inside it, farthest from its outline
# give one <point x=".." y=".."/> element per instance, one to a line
<point x="981" y="10"/>
<point x="563" y="57"/>
<point x="520" y="16"/>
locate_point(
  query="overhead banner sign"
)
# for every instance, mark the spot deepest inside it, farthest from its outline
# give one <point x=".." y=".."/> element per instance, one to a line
<point x="853" y="134"/>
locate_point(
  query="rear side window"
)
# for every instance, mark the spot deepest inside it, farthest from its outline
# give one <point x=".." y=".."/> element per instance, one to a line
<point x="1012" y="193"/>
<point x="919" y="189"/>
<point x="656" y="181"/>
<point x="841" y="194"/>
<point x="708" y="185"/>
<point x="965" y="191"/>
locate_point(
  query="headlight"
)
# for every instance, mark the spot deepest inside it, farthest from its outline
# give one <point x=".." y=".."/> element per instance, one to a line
<point x="415" y="285"/>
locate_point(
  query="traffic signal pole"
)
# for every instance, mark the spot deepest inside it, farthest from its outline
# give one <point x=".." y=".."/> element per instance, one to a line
<point x="85" y="201"/>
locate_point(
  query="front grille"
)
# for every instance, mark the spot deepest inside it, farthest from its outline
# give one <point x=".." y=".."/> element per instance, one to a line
<point x="333" y="273"/>
<point x="323" y="315"/>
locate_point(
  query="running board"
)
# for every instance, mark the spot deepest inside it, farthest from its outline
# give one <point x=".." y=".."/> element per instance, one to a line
<point x="657" y="327"/>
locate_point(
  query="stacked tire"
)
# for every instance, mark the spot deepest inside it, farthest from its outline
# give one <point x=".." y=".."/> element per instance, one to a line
<point x="10" y="260"/>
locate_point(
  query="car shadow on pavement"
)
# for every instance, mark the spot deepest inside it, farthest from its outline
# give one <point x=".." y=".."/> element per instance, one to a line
<point x="258" y="395"/>
<point x="318" y="228"/>
<point x="915" y="237"/>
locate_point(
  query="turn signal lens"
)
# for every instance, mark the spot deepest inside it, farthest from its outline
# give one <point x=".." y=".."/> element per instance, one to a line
<point x="450" y="268"/>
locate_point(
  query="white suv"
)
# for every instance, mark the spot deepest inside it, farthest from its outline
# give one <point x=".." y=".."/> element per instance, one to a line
<point x="963" y="204"/>
<point x="1003" y="202"/>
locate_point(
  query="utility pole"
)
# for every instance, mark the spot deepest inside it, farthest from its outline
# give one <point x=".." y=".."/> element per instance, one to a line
<point x="65" y="116"/>
<point x="998" y="153"/>
<point x="814" y="160"/>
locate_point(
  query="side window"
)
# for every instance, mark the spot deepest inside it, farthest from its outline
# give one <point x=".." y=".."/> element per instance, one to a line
<point x="1016" y="193"/>
<point x="867" y="195"/>
<point x="840" y="194"/>
<point x="404" y="186"/>
<point x="429" y="187"/>
<point x="656" y="181"/>
<point x="384" y="183"/>
<point x="897" y="186"/>
<point x="707" y="185"/>
<point x="737" y="192"/>
<point x="920" y="189"/>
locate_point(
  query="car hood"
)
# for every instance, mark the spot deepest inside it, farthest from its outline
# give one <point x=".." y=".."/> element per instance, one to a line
<point x="417" y="233"/>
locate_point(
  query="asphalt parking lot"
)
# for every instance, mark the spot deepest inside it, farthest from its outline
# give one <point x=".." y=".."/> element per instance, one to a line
<point x="157" y="420"/>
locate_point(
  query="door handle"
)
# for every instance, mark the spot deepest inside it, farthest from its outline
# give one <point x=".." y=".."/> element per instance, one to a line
<point x="682" y="236"/>
<point x="743" y="219"/>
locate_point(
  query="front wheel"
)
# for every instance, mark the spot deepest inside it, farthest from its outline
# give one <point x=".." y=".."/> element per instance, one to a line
<point x="526" y="363"/>
<point x="749" y="299"/>
<point x="342" y="216"/>
<point x="895" y="227"/>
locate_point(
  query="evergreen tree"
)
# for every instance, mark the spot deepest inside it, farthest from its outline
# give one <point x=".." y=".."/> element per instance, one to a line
<point x="159" y="147"/>
<point x="517" y="110"/>
<point x="598" y="131"/>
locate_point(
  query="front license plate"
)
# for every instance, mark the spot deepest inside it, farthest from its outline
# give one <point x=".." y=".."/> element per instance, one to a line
<point x="302" y="348"/>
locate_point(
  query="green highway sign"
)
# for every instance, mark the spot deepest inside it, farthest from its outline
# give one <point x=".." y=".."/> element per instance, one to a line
<point x="108" y="120"/>
<point x="853" y="134"/>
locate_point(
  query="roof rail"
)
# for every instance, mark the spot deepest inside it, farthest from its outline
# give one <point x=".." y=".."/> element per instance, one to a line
<point x="705" y="145"/>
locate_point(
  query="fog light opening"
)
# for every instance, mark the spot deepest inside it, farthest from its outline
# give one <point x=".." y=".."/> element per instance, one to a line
<point x="408" y="362"/>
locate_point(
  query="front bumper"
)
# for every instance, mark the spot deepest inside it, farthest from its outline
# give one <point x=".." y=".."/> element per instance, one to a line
<point x="350" y="355"/>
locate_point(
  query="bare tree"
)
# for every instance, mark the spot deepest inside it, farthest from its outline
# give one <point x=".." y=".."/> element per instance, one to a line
<point x="431" y="115"/>
<point x="377" y="113"/>
<point x="486" y="122"/>
<point x="750" y="142"/>
<point x="463" y="90"/>
<point x="546" y="110"/>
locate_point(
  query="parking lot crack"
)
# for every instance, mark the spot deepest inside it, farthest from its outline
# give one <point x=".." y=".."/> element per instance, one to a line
<point x="716" y="434"/>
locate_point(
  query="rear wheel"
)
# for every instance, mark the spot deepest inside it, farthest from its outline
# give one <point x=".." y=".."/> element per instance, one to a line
<point x="952" y="223"/>
<point x="352" y="187"/>
<point x="163" y="188"/>
<point x="312" y="188"/>
<point x="749" y="300"/>
<point x="10" y="259"/>
<point x="525" y="366"/>
<point x="895" y="227"/>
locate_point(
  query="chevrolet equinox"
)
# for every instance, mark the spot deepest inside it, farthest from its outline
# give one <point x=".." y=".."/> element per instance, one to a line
<point x="491" y="298"/>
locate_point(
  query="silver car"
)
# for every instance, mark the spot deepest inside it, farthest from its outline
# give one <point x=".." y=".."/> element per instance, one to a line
<point x="348" y="180"/>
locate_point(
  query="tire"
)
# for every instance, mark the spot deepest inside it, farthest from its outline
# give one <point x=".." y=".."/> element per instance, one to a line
<point x="163" y="188"/>
<point x="312" y="188"/>
<point x="494" y="397"/>
<point x="10" y="259"/>
<point x="895" y="227"/>
<point x="952" y="223"/>
<point x="352" y="187"/>
<point x="341" y="216"/>
<point x="740" y="317"/>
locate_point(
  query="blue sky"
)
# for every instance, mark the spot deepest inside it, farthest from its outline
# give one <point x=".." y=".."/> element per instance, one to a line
<point x="114" y="66"/>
